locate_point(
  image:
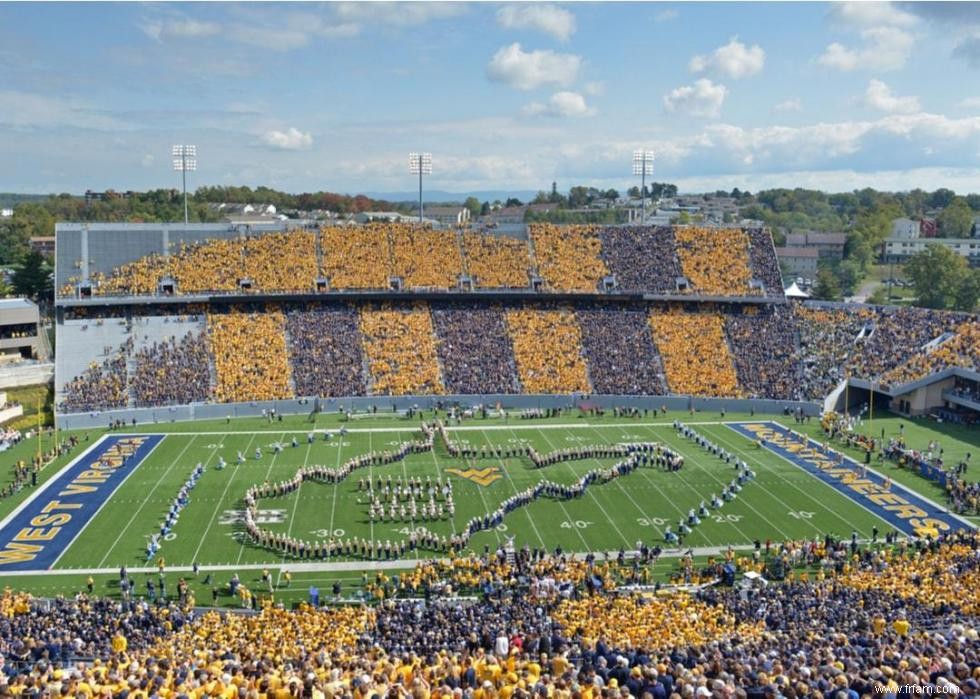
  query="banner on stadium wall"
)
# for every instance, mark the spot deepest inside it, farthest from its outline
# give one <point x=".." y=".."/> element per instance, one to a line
<point x="35" y="534"/>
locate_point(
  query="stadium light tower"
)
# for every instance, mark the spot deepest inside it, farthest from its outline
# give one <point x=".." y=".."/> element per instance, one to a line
<point x="420" y="164"/>
<point x="643" y="166"/>
<point x="185" y="158"/>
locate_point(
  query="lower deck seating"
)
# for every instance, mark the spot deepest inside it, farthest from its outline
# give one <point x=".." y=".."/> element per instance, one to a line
<point x="249" y="349"/>
<point x="548" y="350"/>
<point x="697" y="360"/>
<point x="401" y="351"/>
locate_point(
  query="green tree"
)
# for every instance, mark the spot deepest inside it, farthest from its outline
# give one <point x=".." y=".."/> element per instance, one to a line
<point x="850" y="274"/>
<point x="683" y="218"/>
<point x="879" y="296"/>
<point x="611" y="195"/>
<point x="33" y="278"/>
<point x="956" y="220"/>
<point x="941" y="198"/>
<point x="473" y="204"/>
<point x="827" y="287"/>
<point x="937" y="273"/>
<point x="968" y="291"/>
<point x="578" y="197"/>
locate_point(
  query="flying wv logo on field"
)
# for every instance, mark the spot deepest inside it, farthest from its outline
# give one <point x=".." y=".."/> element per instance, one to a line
<point x="480" y="476"/>
<point x="34" y="535"/>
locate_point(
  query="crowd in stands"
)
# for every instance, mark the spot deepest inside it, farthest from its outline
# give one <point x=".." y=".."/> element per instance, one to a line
<point x="280" y="261"/>
<point x="172" y="372"/>
<point x="547" y="348"/>
<point x="764" y="349"/>
<point x="695" y="353"/>
<point x="767" y="351"/>
<point x="714" y="260"/>
<point x="400" y="347"/>
<point x="273" y="262"/>
<point x="545" y="626"/>
<point x="425" y="258"/>
<point x="619" y="350"/>
<point x="356" y="257"/>
<point x="497" y="261"/>
<point x="568" y="257"/>
<point x="325" y="351"/>
<point x="762" y="260"/>
<point x="874" y="343"/>
<point x="475" y="350"/>
<point x="249" y="350"/>
<point x="827" y="341"/>
<point x="102" y="385"/>
<point x="642" y="258"/>
<point x="961" y="350"/>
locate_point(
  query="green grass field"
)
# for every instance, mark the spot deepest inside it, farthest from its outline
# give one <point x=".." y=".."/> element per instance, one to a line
<point x="782" y="502"/>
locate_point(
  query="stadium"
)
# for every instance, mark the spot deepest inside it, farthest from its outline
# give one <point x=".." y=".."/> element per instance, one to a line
<point x="563" y="461"/>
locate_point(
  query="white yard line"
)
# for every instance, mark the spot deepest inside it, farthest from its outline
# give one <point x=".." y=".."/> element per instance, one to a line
<point x="568" y="517"/>
<point x="299" y="490"/>
<point x="814" y="444"/>
<point x="354" y="566"/>
<point x="435" y="460"/>
<point x="217" y="509"/>
<point x="104" y="503"/>
<point x="890" y="525"/>
<point x="530" y="519"/>
<point x="589" y="491"/>
<point x="626" y="492"/>
<point x="272" y="465"/>
<point x="333" y="507"/>
<point x="821" y="504"/>
<point x="707" y="471"/>
<point x="125" y="530"/>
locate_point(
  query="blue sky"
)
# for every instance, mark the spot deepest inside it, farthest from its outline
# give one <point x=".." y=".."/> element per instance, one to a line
<point x="333" y="96"/>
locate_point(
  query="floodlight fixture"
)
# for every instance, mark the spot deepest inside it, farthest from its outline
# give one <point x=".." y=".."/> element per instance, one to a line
<point x="185" y="160"/>
<point x="420" y="164"/>
<point x="643" y="166"/>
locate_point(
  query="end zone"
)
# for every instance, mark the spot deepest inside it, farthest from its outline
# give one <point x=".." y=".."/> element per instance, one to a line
<point x="900" y="507"/>
<point x="35" y="534"/>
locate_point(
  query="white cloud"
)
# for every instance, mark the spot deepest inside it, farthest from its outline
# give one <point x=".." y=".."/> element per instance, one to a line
<point x="549" y="19"/>
<point x="527" y="70"/>
<point x="595" y="89"/>
<point x="26" y="110"/>
<point x="291" y="139"/>
<point x="179" y="28"/>
<point x="870" y="14"/>
<point x="879" y="96"/>
<point x="791" y="105"/>
<point x="666" y="15"/>
<point x="402" y="14"/>
<point x="971" y="103"/>
<point x="561" y="104"/>
<point x="884" y="48"/>
<point x="147" y="160"/>
<point x="733" y="60"/>
<point x="702" y="99"/>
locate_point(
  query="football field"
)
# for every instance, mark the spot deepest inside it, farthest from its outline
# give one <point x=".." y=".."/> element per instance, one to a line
<point x="783" y="501"/>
